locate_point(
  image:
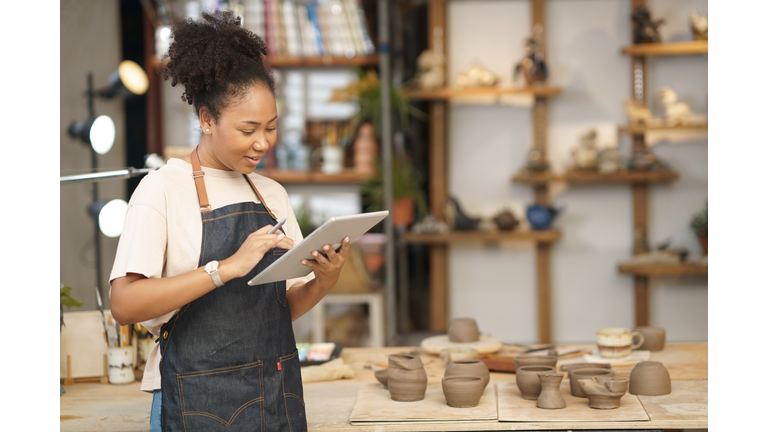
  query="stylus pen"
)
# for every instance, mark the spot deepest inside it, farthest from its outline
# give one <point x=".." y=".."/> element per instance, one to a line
<point x="277" y="227"/>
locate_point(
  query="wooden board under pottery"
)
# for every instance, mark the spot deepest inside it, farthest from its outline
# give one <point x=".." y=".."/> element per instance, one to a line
<point x="486" y="344"/>
<point x="688" y="402"/>
<point x="513" y="408"/>
<point x="374" y="404"/>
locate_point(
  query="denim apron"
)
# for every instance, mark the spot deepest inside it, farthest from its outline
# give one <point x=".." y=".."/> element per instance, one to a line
<point x="229" y="359"/>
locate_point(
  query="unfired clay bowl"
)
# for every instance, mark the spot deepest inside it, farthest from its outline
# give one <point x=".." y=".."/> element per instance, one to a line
<point x="604" y="392"/>
<point x="527" y="380"/>
<point x="469" y="368"/>
<point x="381" y="376"/>
<point x="655" y="337"/>
<point x="463" y="330"/>
<point x="576" y="374"/>
<point x="463" y="391"/>
<point x="534" y="360"/>
<point x="650" y="378"/>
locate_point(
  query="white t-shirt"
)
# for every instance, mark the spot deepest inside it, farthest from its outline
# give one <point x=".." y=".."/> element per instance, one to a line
<point x="163" y="229"/>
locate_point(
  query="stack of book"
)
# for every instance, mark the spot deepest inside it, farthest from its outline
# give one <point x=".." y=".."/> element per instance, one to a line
<point x="310" y="28"/>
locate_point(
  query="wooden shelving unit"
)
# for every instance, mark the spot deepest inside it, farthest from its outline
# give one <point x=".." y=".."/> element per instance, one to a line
<point x="449" y="93"/>
<point x="585" y="176"/>
<point x="639" y="130"/>
<point x="325" y="61"/>
<point x="667" y="48"/>
<point x="648" y="270"/>
<point x="454" y="237"/>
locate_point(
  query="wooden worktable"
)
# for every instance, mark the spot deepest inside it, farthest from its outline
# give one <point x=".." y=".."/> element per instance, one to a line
<point x="124" y="408"/>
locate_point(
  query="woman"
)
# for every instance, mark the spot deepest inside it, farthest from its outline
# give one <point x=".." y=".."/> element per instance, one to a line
<point x="196" y="231"/>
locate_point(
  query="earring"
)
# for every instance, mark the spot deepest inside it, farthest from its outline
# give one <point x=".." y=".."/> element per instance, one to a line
<point x="207" y="130"/>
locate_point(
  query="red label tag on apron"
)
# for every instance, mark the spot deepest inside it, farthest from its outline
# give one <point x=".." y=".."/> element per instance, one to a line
<point x="278" y="366"/>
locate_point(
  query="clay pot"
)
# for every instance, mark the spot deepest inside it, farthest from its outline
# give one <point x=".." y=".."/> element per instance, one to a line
<point x="406" y="378"/>
<point x="550" y="397"/>
<point x="469" y="368"/>
<point x="528" y="380"/>
<point x="655" y="337"/>
<point x="381" y="376"/>
<point x="650" y="378"/>
<point x="568" y="367"/>
<point x="463" y="330"/>
<point x="534" y="360"/>
<point x="576" y="374"/>
<point x="604" y="392"/>
<point x="463" y="391"/>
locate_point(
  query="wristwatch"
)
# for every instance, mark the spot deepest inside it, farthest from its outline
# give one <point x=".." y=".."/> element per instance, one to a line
<point x="212" y="268"/>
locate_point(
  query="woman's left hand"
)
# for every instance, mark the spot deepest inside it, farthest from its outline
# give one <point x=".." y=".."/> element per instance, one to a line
<point x="327" y="268"/>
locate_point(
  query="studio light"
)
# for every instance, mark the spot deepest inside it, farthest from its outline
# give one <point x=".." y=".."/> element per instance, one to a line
<point x="99" y="133"/>
<point x="128" y="80"/>
<point x="110" y="216"/>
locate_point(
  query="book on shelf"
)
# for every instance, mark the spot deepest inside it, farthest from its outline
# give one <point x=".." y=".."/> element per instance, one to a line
<point x="282" y="42"/>
<point x="312" y="15"/>
<point x="254" y="17"/>
<point x="363" y="26"/>
<point x="308" y="44"/>
<point x="354" y="26"/>
<point x="269" y="27"/>
<point x="292" y="35"/>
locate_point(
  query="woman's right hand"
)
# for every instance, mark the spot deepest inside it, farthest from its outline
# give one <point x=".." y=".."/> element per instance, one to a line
<point x="253" y="249"/>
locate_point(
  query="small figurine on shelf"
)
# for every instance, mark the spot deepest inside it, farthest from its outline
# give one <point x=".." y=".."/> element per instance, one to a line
<point x="675" y="113"/>
<point x="699" y="26"/>
<point x="645" y="30"/>
<point x="456" y="217"/>
<point x="532" y="66"/>
<point x="584" y="155"/>
<point x="505" y="220"/>
<point x="536" y="160"/>
<point x="608" y="161"/>
<point x="638" y="114"/>
<point x="476" y="76"/>
<point x="644" y="160"/>
<point x="429" y="224"/>
<point x="431" y="73"/>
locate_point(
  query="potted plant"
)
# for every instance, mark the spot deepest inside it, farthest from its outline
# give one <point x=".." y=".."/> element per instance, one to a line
<point x="699" y="226"/>
<point x="406" y="191"/>
<point x="65" y="299"/>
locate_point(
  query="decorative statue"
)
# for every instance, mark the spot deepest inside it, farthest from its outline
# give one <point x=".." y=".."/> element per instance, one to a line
<point x="645" y="30"/>
<point x="431" y="72"/>
<point x="476" y="76"/>
<point x="645" y="160"/>
<point x="675" y="113"/>
<point x="638" y="115"/>
<point x="505" y="220"/>
<point x="532" y="66"/>
<point x="585" y="154"/>
<point x="699" y="25"/>
<point x="456" y="217"/>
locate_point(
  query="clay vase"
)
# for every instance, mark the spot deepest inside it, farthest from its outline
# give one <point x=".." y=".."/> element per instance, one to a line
<point x="406" y="378"/>
<point x="534" y="360"/>
<point x="655" y="337"/>
<point x="463" y="391"/>
<point x="463" y="330"/>
<point x="650" y="378"/>
<point x="469" y="368"/>
<point x="576" y="374"/>
<point x="381" y="376"/>
<point x="528" y="380"/>
<point x="550" y="397"/>
<point x="604" y="392"/>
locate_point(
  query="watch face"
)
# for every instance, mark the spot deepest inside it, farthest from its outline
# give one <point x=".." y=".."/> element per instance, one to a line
<point x="211" y="266"/>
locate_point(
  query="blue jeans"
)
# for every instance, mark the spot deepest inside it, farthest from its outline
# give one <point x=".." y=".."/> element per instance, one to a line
<point x="154" y="414"/>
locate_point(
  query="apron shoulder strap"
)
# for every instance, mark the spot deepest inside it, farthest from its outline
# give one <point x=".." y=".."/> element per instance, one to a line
<point x="264" y="203"/>
<point x="198" y="174"/>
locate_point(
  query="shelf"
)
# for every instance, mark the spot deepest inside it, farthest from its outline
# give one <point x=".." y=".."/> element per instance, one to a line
<point x="547" y="236"/>
<point x="587" y="176"/>
<point x="326" y="61"/>
<point x="639" y="130"/>
<point x="663" y="269"/>
<point x="449" y="93"/>
<point x="299" y="177"/>
<point x="667" y="48"/>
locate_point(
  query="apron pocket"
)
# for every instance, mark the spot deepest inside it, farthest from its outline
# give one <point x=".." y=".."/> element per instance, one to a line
<point x="229" y="396"/>
<point x="293" y="392"/>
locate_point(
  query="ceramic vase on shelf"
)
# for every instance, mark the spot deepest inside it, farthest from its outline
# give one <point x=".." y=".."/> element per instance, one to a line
<point x="550" y="397"/>
<point x="406" y="378"/>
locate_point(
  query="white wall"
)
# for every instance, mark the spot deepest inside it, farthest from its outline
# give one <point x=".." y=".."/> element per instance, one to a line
<point x="487" y="144"/>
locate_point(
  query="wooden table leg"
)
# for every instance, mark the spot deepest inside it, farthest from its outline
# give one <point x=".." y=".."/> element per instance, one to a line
<point x="641" y="301"/>
<point x="543" y="255"/>
<point x="438" y="288"/>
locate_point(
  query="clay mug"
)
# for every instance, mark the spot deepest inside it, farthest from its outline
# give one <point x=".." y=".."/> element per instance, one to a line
<point x="463" y="330"/>
<point x="650" y="378"/>
<point x="534" y="360"/>
<point x="469" y="368"/>
<point x="463" y="391"/>
<point x="406" y="378"/>
<point x="617" y="342"/>
<point x="381" y="376"/>
<point x="527" y="380"/>
<point x="574" y="375"/>
<point x="655" y="337"/>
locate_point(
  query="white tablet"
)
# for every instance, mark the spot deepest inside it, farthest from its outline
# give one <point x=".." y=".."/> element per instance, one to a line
<point x="332" y="232"/>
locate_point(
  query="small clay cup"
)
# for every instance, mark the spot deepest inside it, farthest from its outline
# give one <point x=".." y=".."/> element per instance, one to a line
<point x="550" y="397"/>
<point x="604" y="392"/>
<point x="534" y="360"/>
<point x="463" y="330"/>
<point x="469" y="368"/>
<point x="381" y="376"/>
<point x="568" y="367"/>
<point x="463" y="391"/>
<point x="406" y="378"/>
<point x="576" y="374"/>
<point x="650" y="378"/>
<point x="528" y="380"/>
<point x="655" y="337"/>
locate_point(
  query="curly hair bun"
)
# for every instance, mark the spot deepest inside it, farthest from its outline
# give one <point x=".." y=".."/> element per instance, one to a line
<point x="215" y="59"/>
